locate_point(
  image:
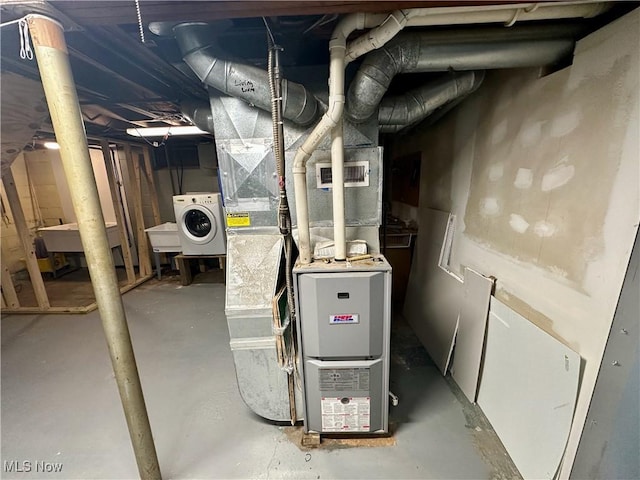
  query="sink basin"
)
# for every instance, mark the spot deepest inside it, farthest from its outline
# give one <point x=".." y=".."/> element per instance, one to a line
<point x="66" y="237"/>
<point x="164" y="237"/>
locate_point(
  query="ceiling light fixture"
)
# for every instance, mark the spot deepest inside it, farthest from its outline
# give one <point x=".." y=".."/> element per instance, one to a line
<point x="51" y="145"/>
<point x="164" y="131"/>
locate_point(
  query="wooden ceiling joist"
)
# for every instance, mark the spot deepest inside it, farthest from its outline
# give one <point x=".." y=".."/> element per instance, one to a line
<point x="118" y="13"/>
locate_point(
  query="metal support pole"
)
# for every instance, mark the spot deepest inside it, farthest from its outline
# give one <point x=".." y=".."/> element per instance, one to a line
<point x="62" y="99"/>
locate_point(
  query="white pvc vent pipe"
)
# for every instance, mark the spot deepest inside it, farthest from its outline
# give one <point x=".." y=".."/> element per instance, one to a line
<point x="505" y="14"/>
<point x="329" y="121"/>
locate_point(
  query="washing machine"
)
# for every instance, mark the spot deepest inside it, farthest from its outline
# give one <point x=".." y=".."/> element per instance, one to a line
<point x="200" y="223"/>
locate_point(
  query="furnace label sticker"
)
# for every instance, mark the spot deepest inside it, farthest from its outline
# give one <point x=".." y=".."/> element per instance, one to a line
<point x="239" y="219"/>
<point x="344" y="318"/>
<point x="346" y="414"/>
<point x="344" y="379"/>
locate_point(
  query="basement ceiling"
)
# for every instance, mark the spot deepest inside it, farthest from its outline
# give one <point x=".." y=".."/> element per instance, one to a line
<point x="123" y="82"/>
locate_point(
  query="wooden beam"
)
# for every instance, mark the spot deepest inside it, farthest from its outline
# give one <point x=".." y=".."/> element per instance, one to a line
<point x="50" y="310"/>
<point x="8" y="290"/>
<point x="119" y="211"/>
<point x="140" y="281"/>
<point x="25" y="238"/>
<point x="116" y="13"/>
<point x="151" y="185"/>
<point x="70" y="310"/>
<point x="133" y="168"/>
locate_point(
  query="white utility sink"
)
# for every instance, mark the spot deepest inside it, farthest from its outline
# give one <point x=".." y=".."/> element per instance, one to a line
<point x="164" y="237"/>
<point x="66" y="237"/>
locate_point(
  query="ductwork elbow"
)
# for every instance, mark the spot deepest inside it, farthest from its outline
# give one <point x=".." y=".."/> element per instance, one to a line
<point x="372" y="81"/>
<point x="199" y="113"/>
<point x="251" y="84"/>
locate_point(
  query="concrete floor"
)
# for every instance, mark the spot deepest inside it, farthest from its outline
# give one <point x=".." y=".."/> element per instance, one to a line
<point x="60" y="403"/>
<point x="72" y="288"/>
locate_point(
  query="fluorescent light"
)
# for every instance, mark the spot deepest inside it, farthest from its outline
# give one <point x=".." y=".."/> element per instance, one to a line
<point x="163" y="131"/>
<point x="51" y="145"/>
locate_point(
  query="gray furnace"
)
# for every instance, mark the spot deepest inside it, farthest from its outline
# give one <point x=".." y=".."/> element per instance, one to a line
<point x="344" y="314"/>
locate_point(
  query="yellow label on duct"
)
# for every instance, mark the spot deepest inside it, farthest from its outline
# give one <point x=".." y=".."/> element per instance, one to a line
<point x="239" y="219"/>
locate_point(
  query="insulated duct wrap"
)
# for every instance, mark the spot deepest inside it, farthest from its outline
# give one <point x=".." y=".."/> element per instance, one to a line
<point x="199" y="49"/>
<point x="415" y="52"/>
<point x="413" y="106"/>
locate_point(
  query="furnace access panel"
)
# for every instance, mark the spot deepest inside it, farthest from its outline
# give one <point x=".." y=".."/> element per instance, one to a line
<point x="344" y="312"/>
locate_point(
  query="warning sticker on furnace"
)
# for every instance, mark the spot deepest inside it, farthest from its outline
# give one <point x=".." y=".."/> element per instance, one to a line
<point x="238" y="219"/>
<point x="347" y="414"/>
<point x="344" y="379"/>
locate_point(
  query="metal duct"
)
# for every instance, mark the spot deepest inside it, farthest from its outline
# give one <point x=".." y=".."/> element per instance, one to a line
<point x="199" y="113"/>
<point x="414" y="105"/>
<point x="197" y="43"/>
<point x="414" y="52"/>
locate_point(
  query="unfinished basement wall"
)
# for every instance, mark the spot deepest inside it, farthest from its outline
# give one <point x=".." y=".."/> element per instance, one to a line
<point x="543" y="177"/>
<point x="201" y="179"/>
<point x="40" y="202"/>
<point x="102" y="182"/>
<point x="194" y="180"/>
<point x="44" y="178"/>
<point x="48" y="201"/>
<point x="12" y="251"/>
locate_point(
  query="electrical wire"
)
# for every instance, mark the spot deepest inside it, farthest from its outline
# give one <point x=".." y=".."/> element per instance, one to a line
<point x="269" y="33"/>
<point x="284" y="214"/>
<point x="12" y="22"/>
<point x="166" y="156"/>
<point x="35" y="206"/>
<point x="154" y="144"/>
<point x="5" y="216"/>
<point x="180" y="175"/>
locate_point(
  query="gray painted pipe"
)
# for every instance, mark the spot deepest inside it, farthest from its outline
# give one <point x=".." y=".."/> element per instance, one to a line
<point x="200" y="52"/>
<point x="414" y="52"/>
<point x="416" y="104"/>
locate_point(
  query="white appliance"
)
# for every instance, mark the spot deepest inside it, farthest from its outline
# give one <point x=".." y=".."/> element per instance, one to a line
<point x="200" y="223"/>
